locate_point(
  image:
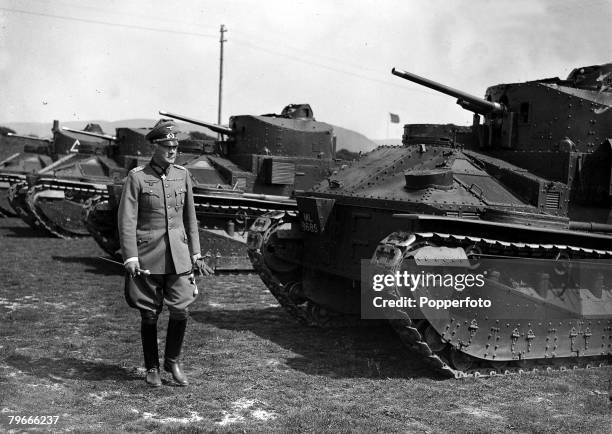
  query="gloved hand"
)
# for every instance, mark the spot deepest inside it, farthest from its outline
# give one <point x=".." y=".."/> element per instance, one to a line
<point x="200" y="266"/>
<point x="132" y="268"/>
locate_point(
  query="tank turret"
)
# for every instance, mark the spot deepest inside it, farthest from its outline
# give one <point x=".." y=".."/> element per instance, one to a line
<point x="557" y="129"/>
<point x="273" y="154"/>
<point x="546" y="115"/>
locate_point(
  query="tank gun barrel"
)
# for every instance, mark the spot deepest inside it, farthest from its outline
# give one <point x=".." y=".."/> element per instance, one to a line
<point x="28" y="137"/>
<point x="88" y="133"/>
<point x="214" y="127"/>
<point x="464" y="99"/>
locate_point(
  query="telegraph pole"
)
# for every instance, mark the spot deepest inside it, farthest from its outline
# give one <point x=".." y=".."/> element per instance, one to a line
<point x="221" y="41"/>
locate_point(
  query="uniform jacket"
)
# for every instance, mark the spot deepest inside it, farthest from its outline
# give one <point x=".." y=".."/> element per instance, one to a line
<point x="157" y="220"/>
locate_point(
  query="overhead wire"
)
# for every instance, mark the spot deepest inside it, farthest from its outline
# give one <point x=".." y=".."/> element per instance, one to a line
<point x="107" y="23"/>
<point x="273" y="41"/>
<point x="330" y="68"/>
<point x="240" y="41"/>
<point x="281" y="43"/>
<point x="164" y="19"/>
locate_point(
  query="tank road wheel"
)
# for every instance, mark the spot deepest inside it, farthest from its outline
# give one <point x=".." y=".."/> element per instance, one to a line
<point x="432" y="338"/>
<point x="473" y="253"/>
<point x="272" y="251"/>
<point x="242" y="219"/>
<point x="562" y="264"/>
<point x="319" y="314"/>
<point x="294" y="290"/>
<point x="459" y="360"/>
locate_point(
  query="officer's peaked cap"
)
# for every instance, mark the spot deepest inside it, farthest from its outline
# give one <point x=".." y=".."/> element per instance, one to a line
<point x="164" y="130"/>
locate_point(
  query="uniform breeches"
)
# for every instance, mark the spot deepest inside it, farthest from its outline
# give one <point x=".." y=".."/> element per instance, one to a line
<point x="148" y="294"/>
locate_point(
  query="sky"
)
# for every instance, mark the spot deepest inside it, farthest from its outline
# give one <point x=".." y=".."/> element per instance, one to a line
<point x="123" y="59"/>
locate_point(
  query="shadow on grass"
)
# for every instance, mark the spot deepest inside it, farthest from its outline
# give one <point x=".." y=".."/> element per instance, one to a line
<point x="364" y="351"/>
<point x="98" y="266"/>
<point x="70" y="368"/>
<point x="25" y="232"/>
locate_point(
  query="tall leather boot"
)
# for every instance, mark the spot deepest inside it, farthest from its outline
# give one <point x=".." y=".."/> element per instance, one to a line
<point x="174" y="342"/>
<point x="148" y="334"/>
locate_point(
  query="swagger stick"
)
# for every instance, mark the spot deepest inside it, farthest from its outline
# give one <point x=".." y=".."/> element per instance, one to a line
<point x="146" y="272"/>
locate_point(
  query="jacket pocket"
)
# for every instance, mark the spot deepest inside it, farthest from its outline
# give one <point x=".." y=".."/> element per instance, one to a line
<point x="150" y="199"/>
<point x="143" y="238"/>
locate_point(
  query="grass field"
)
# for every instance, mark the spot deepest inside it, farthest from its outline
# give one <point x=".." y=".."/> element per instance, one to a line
<point x="69" y="347"/>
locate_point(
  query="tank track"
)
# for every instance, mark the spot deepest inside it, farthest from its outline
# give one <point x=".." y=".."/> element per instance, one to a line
<point x="6" y="208"/>
<point x="412" y="333"/>
<point x="45" y="223"/>
<point x="286" y="289"/>
<point x="17" y="196"/>
<point x="100" y="234"/>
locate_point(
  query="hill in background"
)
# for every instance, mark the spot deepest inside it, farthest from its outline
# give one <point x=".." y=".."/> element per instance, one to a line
<point x="352" y="140"/>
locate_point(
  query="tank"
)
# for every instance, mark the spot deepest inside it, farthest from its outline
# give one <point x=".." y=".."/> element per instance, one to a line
<point x="61" y="149"/>
<point x="272" y="154"/>
<point x="37" y="154"/>
<point x="520" y="202"/>
<point x="55" y="196"/>
<point x="254" y="169"/>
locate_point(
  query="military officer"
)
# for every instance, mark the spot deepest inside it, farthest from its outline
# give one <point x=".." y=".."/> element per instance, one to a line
<point x="160" y="246"/>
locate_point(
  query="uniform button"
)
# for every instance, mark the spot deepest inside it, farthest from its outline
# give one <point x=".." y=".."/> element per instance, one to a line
<point x="167" y="185"/>
<point x="167" y="195"/>
<point x="168" y="206"/>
